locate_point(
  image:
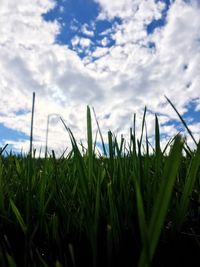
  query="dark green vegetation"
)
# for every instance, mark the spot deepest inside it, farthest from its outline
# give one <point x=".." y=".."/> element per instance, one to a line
<point x="129" y="208"/>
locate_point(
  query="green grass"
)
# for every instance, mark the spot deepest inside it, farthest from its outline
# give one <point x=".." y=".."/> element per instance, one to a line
<point x="129" y="207"/>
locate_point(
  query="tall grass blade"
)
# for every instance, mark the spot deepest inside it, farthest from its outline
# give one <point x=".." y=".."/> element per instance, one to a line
<point x="81" y="167"/>
<point x="100" y="133"/>
<point x="157" y="137"/>
<point x="188" y="188"/>
<point x="2" y="149"/>
<point x="170" y="141"/>
<point x="163" y="198"/>
<point x="32" y="118"/>
<point x="143" y="125"/>
<point x="182" y="120"/>
<point x="113" y="214"/>
<point x="90" y="143"/>
<point x="29" y="177"/>
<point x="134" y="134"/>
<point x="111" y="152"/>
<point x="18" y="216"/>
<point x="142" y="222"/>
<point x="158" y="157"/>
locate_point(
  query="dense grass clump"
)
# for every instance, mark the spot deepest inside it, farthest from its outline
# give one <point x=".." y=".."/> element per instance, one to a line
<point x="127" y="208"/>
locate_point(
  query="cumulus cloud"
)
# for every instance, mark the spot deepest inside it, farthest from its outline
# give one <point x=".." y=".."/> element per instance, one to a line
<point x="170" y="67"/>
<point x="128" y="8"/>
<point x="85" y="29"/>
<point x="117" y="80"/>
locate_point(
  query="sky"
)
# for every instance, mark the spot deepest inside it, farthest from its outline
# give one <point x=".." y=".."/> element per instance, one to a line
<point x="116" y="56"/>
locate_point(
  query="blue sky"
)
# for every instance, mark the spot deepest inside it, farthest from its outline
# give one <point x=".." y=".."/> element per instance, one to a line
<point x="75" y="16"/>
<point x="118" y="56"/>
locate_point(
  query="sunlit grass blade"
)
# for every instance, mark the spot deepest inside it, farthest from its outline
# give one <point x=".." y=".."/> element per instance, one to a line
<point x="163" y="198"/>
<point x="81" y="165"/>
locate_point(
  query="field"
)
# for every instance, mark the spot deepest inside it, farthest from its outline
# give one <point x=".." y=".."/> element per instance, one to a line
<point x="128" y="207"/>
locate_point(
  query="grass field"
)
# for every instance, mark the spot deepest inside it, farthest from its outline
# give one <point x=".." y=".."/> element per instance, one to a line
<point x="127" y="208"/>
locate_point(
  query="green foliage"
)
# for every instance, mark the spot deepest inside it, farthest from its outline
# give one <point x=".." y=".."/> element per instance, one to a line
<point x="115" y="210"/>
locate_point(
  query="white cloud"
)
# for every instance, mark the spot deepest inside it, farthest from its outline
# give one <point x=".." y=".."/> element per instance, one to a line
<point x="85" y="42"/>
<point x="22" y="6"/>
<point x="81" y="44"/>
<point x="105" y="41"/>
<point x="128" y="8"/>
<point x="87" y="31"/>
<point x="122" y="80"/>
<point x="117" y="8"/>
<point x="100" y="51"/>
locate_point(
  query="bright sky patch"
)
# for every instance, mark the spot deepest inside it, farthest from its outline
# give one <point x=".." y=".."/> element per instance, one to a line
<point x="157" y="23"/>
<point x="117" y="56"/>
<point x="80" y="28"/>
<point x="9" y="134"/>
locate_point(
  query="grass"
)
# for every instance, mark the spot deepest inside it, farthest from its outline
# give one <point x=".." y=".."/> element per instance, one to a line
<point x="129" y="207"/>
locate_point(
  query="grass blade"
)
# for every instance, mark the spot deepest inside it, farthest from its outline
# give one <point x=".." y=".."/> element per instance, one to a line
<point x="32" y="118"/>
<point x="164" y="195"/>
<point x="101" y="136"/>
<point x="90" y="146"/>
<point x="143" y="124"/>
<point x="157" y="137"/>
<point x="18" y="216"/>
<point x="2" y="149"/>
<point x="11" y="262"/>
<point x="188" y="188"/>
<point x="142" y="221"/>
<point x="182" y="120"/>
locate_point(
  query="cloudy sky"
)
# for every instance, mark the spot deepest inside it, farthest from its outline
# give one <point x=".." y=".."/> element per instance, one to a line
<point x="116" y="56"/>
